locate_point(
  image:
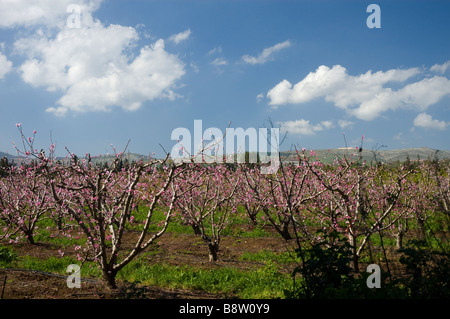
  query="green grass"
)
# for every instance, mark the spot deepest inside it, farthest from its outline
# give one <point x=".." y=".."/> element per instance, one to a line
<point x="256" y="232"/>
<point x="388" y="241"/>
<point x="63" y="241"/>
<point x="51" y="264"/>
<point x="268" y="256"/>
<point x="56" y="265"/>
<point x="264" y="282"/>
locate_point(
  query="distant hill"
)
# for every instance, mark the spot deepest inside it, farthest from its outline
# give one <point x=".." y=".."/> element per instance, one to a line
<point x="384" y="156"/>
<point x="130" y="157"/>
<point x="324" y="155"/>
<point x="8" y="156"/>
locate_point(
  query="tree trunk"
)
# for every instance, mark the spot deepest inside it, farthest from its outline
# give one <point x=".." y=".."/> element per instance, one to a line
<point x="253" y="219"/>
<point x="282" y="229"/>
<point x="196" y="228"/>
<point x="29" y="235"/>
<point x="355" y="261"/>
<point x="213" y="247"/>
<point x="251" y="214"/>
<point x="284" y="232"/>
<point x="421" y="223"/>
<point x="109" y="277"/>
<point x="352" y="242"/>
<point x="399" y="239"/>
<point x="213" y="250"/>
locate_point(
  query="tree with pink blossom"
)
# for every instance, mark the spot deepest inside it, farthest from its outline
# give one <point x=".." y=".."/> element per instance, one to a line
<point x="24" y="200"/>
<point x="208" y="201"/>
<point x="100" y="202"/>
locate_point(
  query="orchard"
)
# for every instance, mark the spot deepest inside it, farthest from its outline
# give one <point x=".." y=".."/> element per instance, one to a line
<point x="324" y="212"/>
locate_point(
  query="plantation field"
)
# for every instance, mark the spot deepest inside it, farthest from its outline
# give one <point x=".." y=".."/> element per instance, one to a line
<point x="194" y="230"/>
<point x="255" y="262"/>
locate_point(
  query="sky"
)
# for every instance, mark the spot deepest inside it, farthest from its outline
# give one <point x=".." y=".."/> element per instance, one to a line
<point x="90" y="75"/>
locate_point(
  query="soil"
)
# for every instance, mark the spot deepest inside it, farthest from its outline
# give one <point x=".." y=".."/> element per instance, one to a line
<point x="176" y="249"/>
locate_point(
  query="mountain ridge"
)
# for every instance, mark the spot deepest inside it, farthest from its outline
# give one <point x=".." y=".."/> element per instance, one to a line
<point x="326" y="155"/>
<point x="386" y="156"/>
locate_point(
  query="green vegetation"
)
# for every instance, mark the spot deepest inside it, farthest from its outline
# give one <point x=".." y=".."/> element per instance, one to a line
<point x="264" y="282"/>
<point x="7" y="256"/>
<point x="268" y="256"/>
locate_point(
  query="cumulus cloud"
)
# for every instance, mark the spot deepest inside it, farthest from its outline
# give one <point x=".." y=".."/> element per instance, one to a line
<point x="179" y="37"/>
<point x="364" y="96"/>
<point x="304" y="127"/>
<point x="418" y="95"/>
<point x="441" y="68"/>
<point x="266" y="54"/>
<point x="14" y="13"/>
<point x="5" y="66"/>
<point x="426" y="121"/>
<point x="95" y="69"/>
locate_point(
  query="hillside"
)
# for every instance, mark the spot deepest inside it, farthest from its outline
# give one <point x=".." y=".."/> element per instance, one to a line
<point x="8" y="156"/>
<point x="384" y="156"/>
<point x="326" y="156"/>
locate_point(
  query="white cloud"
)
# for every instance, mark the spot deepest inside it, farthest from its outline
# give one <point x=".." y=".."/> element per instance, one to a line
<point x="219" y="61"/>
<point x="5" y="66"/>
<point x="215" y="50"/>
<point x="179" y="37"/>
<point x="364" y="96"/>
<point x="52" y="13"/>
<point x="259" y="97"/>
<point x="304" y="127"/>
<point x="327" y="124"/>
<point x="266" y="54"/>
<point x="95" y="69"/>
<point x="418" y="95"/>
<point x="194" y="67"/>
<point x="441" y="68"/>
<point x="426" y="121"/>
<point x="344" y="123"/>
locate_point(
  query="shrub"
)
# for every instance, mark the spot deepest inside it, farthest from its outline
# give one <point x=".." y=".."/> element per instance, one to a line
<point x="428" y="271"/>
<point x="325" y="270"/>
<point x="7" y="256"/>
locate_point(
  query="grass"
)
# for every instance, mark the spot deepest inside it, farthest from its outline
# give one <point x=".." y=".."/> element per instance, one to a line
<point x="56" y="265"/>
<point x="268" y="256"/>
<point x="264" y="282"/>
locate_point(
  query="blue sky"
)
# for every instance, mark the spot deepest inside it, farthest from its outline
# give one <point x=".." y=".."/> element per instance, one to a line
<point x="140" y="69"/>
